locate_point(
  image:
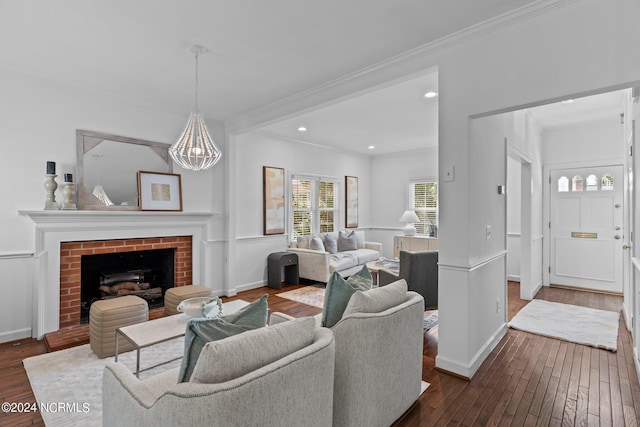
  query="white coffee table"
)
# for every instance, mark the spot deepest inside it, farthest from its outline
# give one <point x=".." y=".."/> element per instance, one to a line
<point x="156" y="331"/>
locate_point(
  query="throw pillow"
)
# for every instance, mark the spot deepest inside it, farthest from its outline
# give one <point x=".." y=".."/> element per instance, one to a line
<point x="201" y="331"/>
<point x="235" y="356"/>
<point x="339" y="291"/>
<point x="347" y="241"/>
<point x="379" y="299"/>
<point x="360" y="238"/>
<point x="302" y="242"/>
<point x="316" y="244"/>
<point x="330" y="245"/>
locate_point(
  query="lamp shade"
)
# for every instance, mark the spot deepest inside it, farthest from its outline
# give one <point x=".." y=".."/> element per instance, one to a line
<point x="409" y="216"/>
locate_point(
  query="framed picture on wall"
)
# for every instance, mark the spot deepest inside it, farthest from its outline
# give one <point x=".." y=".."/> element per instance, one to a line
<point x="273" y="200"/>
<point x="159" y="191"/>
<point x="351" y="201"/>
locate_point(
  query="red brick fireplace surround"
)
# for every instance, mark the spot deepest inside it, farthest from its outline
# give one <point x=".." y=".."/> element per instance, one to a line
<point x="71" y="252"/>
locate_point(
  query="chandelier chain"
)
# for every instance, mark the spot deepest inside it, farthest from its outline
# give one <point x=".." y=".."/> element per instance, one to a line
<point x="196" y="85"/>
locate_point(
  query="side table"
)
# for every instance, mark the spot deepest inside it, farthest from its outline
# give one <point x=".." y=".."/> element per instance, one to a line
<point x="276" y="262"/>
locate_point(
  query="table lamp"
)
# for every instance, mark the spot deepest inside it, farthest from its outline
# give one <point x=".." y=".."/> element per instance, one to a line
<point x="410" y="218"/>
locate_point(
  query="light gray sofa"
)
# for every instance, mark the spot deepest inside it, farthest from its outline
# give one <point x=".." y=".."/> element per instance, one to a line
<point x="319" y="264"/>
<point x="378" y="359"/>
<point x="254" y="378"/>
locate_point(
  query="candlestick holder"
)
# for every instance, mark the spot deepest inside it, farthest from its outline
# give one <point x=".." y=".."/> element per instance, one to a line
<point x="50" y="186"/>
<point x="69" y="193"/>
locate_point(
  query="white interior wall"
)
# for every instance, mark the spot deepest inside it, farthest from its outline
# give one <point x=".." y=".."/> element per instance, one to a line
<point x="39" y="122"/>
<point x="390" y="177"/>
<point x="584" y="143"/>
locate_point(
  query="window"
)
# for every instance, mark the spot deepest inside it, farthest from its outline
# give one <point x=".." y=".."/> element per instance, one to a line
<point x="423" y="200"/>
<point x="314" y="207"/>
<point x="577" y="183"/>
<point x="592" y="183"/>
<point x="563" y="184"/>
<point x="607" y="182"/>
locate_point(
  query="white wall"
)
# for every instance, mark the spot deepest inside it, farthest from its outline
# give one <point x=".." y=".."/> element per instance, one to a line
<point x="596" y="140"/>
<point x="39" y="120"/>
<point x="390" y="177"/>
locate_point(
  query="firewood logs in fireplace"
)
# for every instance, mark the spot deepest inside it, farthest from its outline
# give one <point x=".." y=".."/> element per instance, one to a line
<point x="143" y="290"/>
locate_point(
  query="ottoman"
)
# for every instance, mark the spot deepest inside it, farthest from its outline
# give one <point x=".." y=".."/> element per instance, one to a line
<point x="105" y="316"/>
<point x="174" y="296"/>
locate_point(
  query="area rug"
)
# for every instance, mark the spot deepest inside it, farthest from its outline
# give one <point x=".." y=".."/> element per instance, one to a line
<point x="73" y="377"/>
<point x="311" y="295"/>
<point x="581" y="325"/>
<point x="430" y="319"/>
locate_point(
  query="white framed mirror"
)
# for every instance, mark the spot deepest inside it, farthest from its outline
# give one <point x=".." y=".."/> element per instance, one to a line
<point x="107" y="167"/>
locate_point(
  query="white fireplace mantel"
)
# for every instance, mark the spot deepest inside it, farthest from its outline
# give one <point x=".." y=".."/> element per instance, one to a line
<point x="53" y="227"/>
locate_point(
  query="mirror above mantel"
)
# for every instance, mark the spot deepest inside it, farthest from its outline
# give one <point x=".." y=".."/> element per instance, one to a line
<point x="107" y="167"/>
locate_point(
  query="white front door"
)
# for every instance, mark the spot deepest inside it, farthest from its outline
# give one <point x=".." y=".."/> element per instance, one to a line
<point x="586" y="228"/>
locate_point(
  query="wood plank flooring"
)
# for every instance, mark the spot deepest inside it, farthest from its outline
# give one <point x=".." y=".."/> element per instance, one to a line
<point x="528" y="380"/>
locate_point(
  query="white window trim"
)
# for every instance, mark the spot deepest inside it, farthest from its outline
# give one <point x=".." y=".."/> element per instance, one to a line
<point x="315" y="210"/>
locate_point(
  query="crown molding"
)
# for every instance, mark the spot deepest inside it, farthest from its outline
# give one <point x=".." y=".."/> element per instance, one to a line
<point x="410" y="62"/>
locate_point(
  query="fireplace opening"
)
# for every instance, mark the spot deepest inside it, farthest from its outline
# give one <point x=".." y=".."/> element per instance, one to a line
<point x="146" y="274"/>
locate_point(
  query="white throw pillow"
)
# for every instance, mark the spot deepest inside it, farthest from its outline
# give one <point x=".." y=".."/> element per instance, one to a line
<point x="316" y="244"/>
<point x="303" y="242"/>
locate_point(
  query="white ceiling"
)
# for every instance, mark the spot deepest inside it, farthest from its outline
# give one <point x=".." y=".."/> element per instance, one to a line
<point x="259" y="52"/>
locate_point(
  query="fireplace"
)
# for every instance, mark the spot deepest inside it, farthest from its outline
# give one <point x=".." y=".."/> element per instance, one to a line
<point x="63" y="236"/>
<point x="85" y="266"/>
<point x="146" y="274"/>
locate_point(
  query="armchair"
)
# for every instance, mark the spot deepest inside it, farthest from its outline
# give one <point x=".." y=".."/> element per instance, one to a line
<point x="420" y="270"/>
<point x="260" y="377"/>
<point x="378" y="359"/>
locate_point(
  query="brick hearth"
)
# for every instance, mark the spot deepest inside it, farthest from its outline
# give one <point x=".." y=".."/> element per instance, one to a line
<point x="70" y="253"/>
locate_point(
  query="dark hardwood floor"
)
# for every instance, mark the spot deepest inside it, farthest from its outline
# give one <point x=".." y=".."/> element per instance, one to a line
<point x="527" y="380"/>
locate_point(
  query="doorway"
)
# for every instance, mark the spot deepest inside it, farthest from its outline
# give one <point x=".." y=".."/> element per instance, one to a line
<point x="586" y="228"/>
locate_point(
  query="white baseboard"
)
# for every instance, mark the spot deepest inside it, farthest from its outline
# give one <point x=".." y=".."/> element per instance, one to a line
<point x="467" y="370"/>
<point x="15" y="335"/>
<point x="245" y="287"/>
<point x="513" y="278"/>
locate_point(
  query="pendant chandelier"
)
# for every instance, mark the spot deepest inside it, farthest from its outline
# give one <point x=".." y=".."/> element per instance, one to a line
<point x="195" y="149"/>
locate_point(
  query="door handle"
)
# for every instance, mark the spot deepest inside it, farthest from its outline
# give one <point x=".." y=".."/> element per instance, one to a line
<point x="617" y="237"/>
<point x="626" y="246"/>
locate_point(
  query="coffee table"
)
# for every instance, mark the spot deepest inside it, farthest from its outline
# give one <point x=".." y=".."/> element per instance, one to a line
<point x="156" y="331"/>
<point x="375" y="266"/>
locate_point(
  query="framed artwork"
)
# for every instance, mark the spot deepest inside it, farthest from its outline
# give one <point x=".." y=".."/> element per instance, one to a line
<point x="273" y="200"/>
<point x="159" y="191"/>
<point x="351" y="201"/>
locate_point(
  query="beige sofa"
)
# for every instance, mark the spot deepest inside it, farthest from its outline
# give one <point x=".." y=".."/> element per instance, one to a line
<point x="254" y="378"/>
<point x="378" y="371"/>
<point x="319" y="264"/>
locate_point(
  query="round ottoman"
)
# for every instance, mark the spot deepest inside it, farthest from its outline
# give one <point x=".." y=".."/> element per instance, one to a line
<point x="175" y="295"/>
<point x="107" y="315"/>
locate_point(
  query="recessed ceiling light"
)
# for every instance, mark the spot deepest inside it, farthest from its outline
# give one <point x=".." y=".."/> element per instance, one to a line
<point x="568" y="101"/>
<point x="302" y="129"/>
<point x="371" y="147"/>
<point x="430" y="94"/>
